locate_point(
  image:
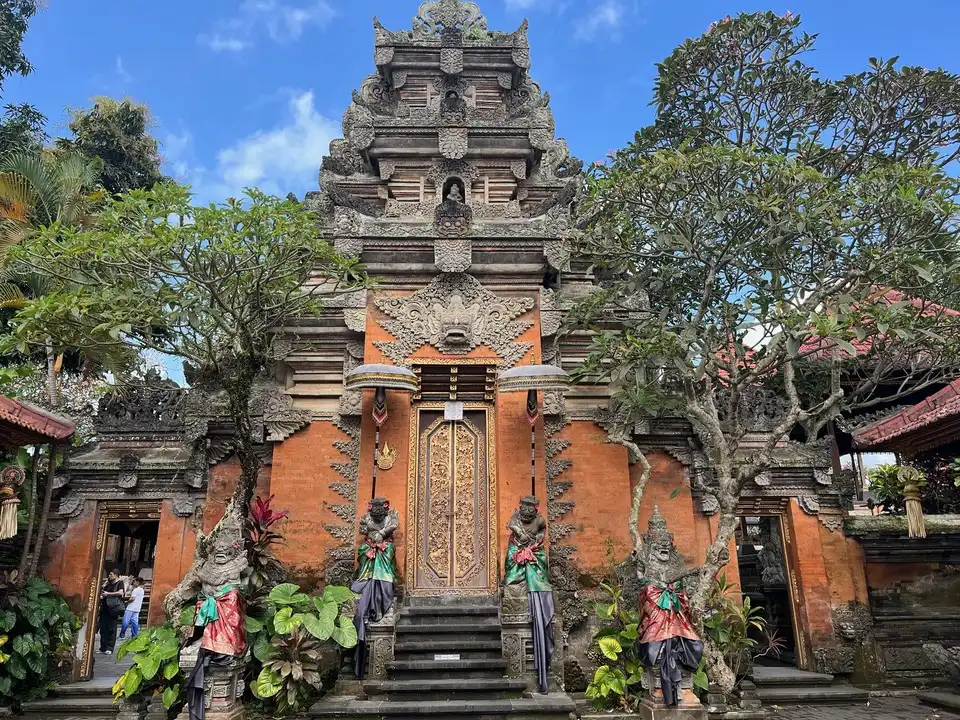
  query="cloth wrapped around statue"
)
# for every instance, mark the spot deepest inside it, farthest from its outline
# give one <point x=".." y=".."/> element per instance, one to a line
<point x="526" y="562"/>
<point x="666" y="639"/>
<point x="376" y="572"/>
<point x="220" y="618"/>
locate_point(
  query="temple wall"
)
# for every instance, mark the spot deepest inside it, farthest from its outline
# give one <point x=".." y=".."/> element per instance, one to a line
<point x="176" y="542"/>
<point x="70" y="560"/>
<point x="221" y="483"/>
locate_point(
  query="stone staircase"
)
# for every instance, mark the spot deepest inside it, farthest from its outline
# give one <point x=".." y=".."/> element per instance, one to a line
<point x="79" y="700"/>
<point x="448" y="663"/>
<point x="782" y="685"/>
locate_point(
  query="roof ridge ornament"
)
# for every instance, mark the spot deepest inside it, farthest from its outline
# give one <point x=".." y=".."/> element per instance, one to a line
<point x="434" y="17"/>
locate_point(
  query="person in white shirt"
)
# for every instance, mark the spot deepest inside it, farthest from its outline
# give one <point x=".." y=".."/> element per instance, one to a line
<point x="131" y="617"/>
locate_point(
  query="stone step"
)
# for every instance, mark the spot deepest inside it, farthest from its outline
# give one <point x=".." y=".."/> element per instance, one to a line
<point x="546" y="707"/>
<point x="70" y="707"/>
<point x="466" y="630"/>
<point x="446" y="610"/>
<point x="812" y="695"/>
<point x="445" y="689"/>
<point x="477" y="621"/>
<point x="414" y="649"/>
<point x="452" y="601"/>
<point x="453" y="669"/>
<point x="775" y="675"/>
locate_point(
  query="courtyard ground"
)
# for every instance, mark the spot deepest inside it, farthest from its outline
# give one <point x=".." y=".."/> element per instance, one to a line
<point x="887" y="708"/>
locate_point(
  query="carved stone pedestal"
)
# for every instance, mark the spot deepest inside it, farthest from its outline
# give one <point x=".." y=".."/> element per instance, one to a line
<point x="516" y="632"/>
<point x="380" y="640"/>
<point x="156" y="711"/>
<point x="653" y="708"/>
<point x="131" y="708"/>
<point x="223" y="687"/>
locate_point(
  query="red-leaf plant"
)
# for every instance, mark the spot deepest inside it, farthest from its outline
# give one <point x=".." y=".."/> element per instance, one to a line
<point x="265" y="569"/>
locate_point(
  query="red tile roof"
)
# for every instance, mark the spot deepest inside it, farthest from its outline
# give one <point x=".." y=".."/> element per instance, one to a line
<point x="934" y="418"/>
<point x="25" y="424"/>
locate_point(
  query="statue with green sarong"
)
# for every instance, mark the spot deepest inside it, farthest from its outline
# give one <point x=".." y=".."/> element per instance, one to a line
<point x="376" y="572"/>
<point x="526" y="572"/>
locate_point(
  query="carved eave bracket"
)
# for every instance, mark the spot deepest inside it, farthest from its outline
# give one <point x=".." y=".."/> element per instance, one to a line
<point x="281" y="418"/>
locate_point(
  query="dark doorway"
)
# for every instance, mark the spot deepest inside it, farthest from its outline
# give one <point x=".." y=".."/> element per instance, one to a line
<point x="765" y="579"/>
<point x="130" y="548"/>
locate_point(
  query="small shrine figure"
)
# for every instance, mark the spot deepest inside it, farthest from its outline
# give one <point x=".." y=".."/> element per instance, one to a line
<point x="526" y="571"/>
<point x="454" y="193"/>
<point x="666" y="639"/>
<point x="376" y="572"/>
<point x="219" y="640"/>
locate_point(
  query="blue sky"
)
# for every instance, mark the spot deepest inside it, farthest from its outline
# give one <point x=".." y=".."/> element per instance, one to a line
<point x="252" y="91"/>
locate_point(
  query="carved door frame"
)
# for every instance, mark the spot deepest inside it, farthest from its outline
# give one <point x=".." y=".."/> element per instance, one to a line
<point x="107" y="511"/>
<point x="793" y="587"/>
<point x="415" y="506"/>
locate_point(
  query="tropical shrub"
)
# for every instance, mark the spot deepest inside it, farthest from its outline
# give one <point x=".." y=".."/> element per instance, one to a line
<point x="734" y="625"/>
<point x="287" y="639"/>
<point x="887" y="487"/>
<point x="264" y="565"/>
<point x="616" y="682"/>
<point x="36" y="634"/>
<point x="156" y="666"/>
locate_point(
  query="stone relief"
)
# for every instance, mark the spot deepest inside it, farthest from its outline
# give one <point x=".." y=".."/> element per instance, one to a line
<point x="340" y="558"/>
<point x="454" y="314"/>
<point x="434" y="17"/>
<point x="453" y="255"/>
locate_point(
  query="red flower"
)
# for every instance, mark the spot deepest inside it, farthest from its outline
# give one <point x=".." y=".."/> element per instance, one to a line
<point x="261" y="514"/>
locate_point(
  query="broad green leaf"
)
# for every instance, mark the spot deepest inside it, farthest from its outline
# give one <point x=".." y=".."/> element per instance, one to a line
<point x="338" y="594"/>
<point x="149" y="665"/>
<point x="610" y="647"/>
<point x="629" y="632"/>
<point x="253" y="625"/>
<point x="345" y="634"/>
<point x="604" y="611"/>
<point x="17" y="667"/>
<point x="170" y="670"/>
<point x="170" y="696"/>
<point x="188" y="615"/>
<point x="288" y="594"/>
<point x="316" y="626"/>
<point x="132" y="681"/>
<point x="267" y="684"/>
<point x="285" y="621"/>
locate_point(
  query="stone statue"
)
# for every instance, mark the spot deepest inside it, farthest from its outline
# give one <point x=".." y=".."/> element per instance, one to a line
<point x="213" y="656"/>
<point x="453" y="194"/>
<point x="376" y="572"/>
<point x="526" y="572"/>
<point x="666" y="639"/>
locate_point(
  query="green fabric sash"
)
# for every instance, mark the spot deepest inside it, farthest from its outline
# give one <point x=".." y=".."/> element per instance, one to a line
<point x="668" y="600"/>
<point x="527" y="564"/>
<point x="376" y="561"/>
<point x="207" y="612"/>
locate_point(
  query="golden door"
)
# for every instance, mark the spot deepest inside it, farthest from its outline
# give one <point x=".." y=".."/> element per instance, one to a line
<point x="451" y="538"/>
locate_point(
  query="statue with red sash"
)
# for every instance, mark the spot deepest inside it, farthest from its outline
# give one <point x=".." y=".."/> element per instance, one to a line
<point x="667" y="643"/>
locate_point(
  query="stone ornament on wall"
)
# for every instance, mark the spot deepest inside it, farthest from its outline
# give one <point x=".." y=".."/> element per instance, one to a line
<point x="453" y="255"/>
<point x="454" y="314"/>
<point x="434" y="17"/>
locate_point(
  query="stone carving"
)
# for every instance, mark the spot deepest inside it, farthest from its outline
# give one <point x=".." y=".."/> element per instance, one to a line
<point x="763" y="479"/>
<point x="453" y="142"/>
<point x="809" y="504"/>
<point x="771" y="558"/>
<point x="551" y="312"/>
<point x="127" y="476"/>
<point x="351" y="401"/>
<point x="183" y="507"/>
<point x="709" y="505"/>
<point x="945" y="659"/>
<point x="451" y="60"/>
<point x="454" y="314"/>
<point x="281" y="417"/>
<point x="453" y="216"/>
<point x="378" y="97"/>
<point x="453" y="254"/>
<point x="823" y="476"/>
<point x="558" y="163"/>
<point x="340" y="559"/>
<point x="434" y="17"/>
<point x="156" y="406"/>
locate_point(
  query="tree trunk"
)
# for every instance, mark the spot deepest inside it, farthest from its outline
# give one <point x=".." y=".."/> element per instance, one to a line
<point x="52" y="394"/>
<point x="25" y="557"/>
<point x="45" y="511"/>
<point x="718" y="555"/>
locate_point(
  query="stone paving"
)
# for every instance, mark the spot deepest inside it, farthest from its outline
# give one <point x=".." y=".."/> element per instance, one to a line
<point x="900" y="708"/>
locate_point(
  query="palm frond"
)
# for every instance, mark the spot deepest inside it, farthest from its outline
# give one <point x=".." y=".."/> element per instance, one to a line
<point x="46" y="190"/>
<point x="12" y="297"/>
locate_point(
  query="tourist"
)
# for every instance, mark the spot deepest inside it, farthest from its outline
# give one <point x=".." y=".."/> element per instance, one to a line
<point x="131" y="617"/>
<point x="111" y="606"/>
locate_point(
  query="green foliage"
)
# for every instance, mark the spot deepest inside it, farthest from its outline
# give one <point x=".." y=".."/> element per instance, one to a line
<point x="14" y="17"/>
<point x="887" y="487"/>
<point x="115" y="134"/>
<point x="616" y="683"/>
<point x="22" y="130"/>
<point x="287" y="638"/>
<point x="156" y="667"/>
<point x="734" y="624"/>
<point x="36" y="634"/>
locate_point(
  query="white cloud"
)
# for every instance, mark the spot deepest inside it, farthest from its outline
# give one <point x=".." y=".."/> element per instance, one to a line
<point x="605" y="17"/>
<point x="285" y="158"/>
<point x="282" y="22"/>
<point x="122" y="71"/>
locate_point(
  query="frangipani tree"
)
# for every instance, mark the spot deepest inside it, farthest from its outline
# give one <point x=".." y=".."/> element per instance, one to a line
<point x="208" y="285"/>
<point x="774" y="232"/>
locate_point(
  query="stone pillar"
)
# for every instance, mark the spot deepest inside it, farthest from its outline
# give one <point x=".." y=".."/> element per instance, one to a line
<point x="156" y="711"/>
<point x="517" y="637"/>
<point x="134" y="708"/>
<point x="380" y="641"/>
<point x="222" y="687"/>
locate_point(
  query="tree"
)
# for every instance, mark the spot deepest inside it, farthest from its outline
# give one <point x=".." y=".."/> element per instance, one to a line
<point x="116" y="134"/>
<point x="210" y="285"/>
<point x="21" y="130"/>
<point x="773" y="234"/>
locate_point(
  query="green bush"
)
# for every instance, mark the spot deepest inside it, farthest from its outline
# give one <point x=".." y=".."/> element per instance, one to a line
<point x="616" y="683"/>
<point x="156" y="666"/>
<point x="287" y="638"/>
<point x="37" y="632"/>
<point x="887" y="487"/>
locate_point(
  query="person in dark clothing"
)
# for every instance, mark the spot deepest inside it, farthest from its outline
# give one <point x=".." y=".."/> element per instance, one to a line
<point x="111" y="607"/>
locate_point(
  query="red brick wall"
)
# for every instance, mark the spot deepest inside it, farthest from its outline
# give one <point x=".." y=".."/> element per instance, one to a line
<point x="176" y="542"/>
<point x="221" y="483"/>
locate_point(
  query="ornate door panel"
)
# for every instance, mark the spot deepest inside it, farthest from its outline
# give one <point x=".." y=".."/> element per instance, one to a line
<point x="452" y="494"/>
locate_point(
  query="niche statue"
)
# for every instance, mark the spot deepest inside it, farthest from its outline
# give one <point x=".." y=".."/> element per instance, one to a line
<point x="666" y="639"/>
<point x="526" y="571"/>
<point x="376" y="572"/>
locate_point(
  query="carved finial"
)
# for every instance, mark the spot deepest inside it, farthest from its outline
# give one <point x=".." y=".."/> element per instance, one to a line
<point x="434" y="17"/>
<point x="657" y="528"/>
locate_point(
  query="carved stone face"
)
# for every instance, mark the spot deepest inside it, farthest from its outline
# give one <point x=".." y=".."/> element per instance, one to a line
<point x="528" y="509"/>
<point x="660" y="551"/>
<point x="379" y="508"/>
<point x="456" y="322"/>
<point x="227" y="547"/>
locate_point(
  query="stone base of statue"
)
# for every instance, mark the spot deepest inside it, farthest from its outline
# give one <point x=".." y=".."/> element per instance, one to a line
<point x="516" y="633"/>
<point x="222" y="687"/>
<point x="380" y="641"/>
<point x="132" y="708"/>
<point x="653" y="708"/>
